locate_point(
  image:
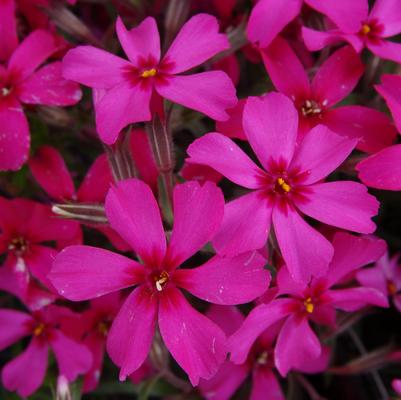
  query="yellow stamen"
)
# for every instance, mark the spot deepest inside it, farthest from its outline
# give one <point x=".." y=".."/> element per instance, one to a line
<point x="309" y="306"/>
<point x="284" y="185"/>
<point x="262" y="358"/>
<point x="365" y="29"/>
<point x="161" y="281"/>
<point x="39" y="329"/>
<point x="149" y="73"/>
<point x="103" y="328"/>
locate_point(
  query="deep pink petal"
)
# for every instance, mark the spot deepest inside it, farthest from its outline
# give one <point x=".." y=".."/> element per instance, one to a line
<point x="34" y="359"/>
<point x="388" y="12"/>
<point x="94" y="67"/>
<point x="343" y="204"/>
<point x="348" y="16"/>
<point x="229" y="65"/>
<point x="227" y="281"/>
<point x="198" y="213"/>
<point x="197" y="41"/>
<point x="141" y="42"/>
<point x="124" y="104"/>
<point x="200" y="173"/>
<point x="228" y="318"/>
<point x="386" y="50"/>
<point x="8" y="29"/>
<point x="132" y="211"/>
<point x="96" y="182"/>
<point x="302" y="261"/>
<point x="374" y="129"/>
<point x="196" y="343"/>
<point x="259" y="319"/>
<point x="14" y="137"/>
<point x="72" y="358"/>
<point x="46" y="86"/>
<point x="15" y="325"/>
<point x="222" y="154"/>
<point x="233" y="126"/>
<point x="85" y="272"/>
<point x="353" y="299"/>
<point x="396" y="385"/>
<point x="96" y="344"/>
<point x="319" y="364"/>
<point x="383" y="169"/>
<point x="48" y="168"/>
<point x="320" y="153"/>
<point x="296" y="344"/>
<point x="337" y="76"/>
<point x="271" y="123"/>
<point x="263" y="382"/>
<point x="131" y="334"/>
<point x="374" y="278"/>
<point x="285" y="69"/>
<point x="353" y="252"/>
<point x="210" y="92"/>
<point x="390" y="89"/>
<point x="246" y="225"/>
<point x="269" y="17"/>
<point x="36" y="48"/>
<point x="287" y="285"/>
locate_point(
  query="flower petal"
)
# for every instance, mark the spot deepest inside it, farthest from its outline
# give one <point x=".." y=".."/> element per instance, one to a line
<point x="198" y="212"/>
<point x="222" y="154"/>
<point x="263" y="382"/>
<point x="131" y="334"/>
<point x="141" y="42"/>
<point x="34" y="359"/>
<point x="296" y="344"/>
<point x="374" y="278"/>
<point x="15" y="325"/>
<point x="132" y="211"/>
<point x="337" y="76"/>
<point x="227" y="281"/>
<point x="388" y="12"/>
<point x="197" y="41"/>
<point x="94" y="67"/>
<point x="386" y="50"/>
<point x="85" y="272"/>
<point x="196" y="343"/>
<point x="210" y="92"/>
<point x="292" y="232"/>
<point x="269" y="17"/>
<point x="8" y="29"/>
<point x="233" y="126"/>
<point x="245" y="226"/>
<point x="271" y="123"/>
<point x="343" y="204"/>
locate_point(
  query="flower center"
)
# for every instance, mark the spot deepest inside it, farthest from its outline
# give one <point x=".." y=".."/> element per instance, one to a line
<point x="282" y="186"/>
<point x="262" y="358"/>
<point x="310" y="108"/>
<point x="365" y="29"/>
<point x="5" y="91"/>
<point x="103" y="327"/>
<point x="148" y="73"/>
<point x="18" y="245"/>
<point x="309" y="306"/>
<point x="39" y="328"/>
<point x="161" y="280"/>
<point x="391" y="288"/>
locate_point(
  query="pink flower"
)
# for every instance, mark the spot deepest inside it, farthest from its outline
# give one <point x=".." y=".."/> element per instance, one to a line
<point x="26" y="372"/>
<point x="333" y="81"/>
<point x="25" y="227"/>
<point x="289" y="184"/>
<point x="130" y="85"/>
<point x="197" y="344"/>
<point x="396" y="384"/>
<point x="385" y="276"/>
<point x="21" y="82"/>
<point x="297" y="304"/>
<point x="355" y="24"/>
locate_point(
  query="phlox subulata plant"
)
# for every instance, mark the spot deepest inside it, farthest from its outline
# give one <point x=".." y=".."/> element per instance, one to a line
<point x="200" y="199"/>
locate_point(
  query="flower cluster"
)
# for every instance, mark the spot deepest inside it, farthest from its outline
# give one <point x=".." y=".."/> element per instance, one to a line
<point x="216" y="247"/>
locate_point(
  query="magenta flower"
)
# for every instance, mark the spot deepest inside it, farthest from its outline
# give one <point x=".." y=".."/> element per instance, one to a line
<point x="355" y="24"/>
<point x="300" y="303"/>
<point x="197" y="344"/>
<point x="26" y="226"/>
<point x="333" y="81"/>
<point x="26" y="372"/>
<point x="385" y="276"/>
<point x="21" y="82"/>
<point x="130" y="85"/>
<point x="289" y="184"/>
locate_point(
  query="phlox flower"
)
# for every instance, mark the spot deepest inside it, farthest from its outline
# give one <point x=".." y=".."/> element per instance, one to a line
<point x="332" y="82"/>
<point x="26" y="228"/>
<point x="26" y="372"/>
<point x="287" y="186"/>
<point x="22" y="83"/>
<point x="196" y="343"/>
<point x="355" y="24"/>
<point x="131" y="87"/>
<point x="385" y="276"/>
<point x="298" y="304"/>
